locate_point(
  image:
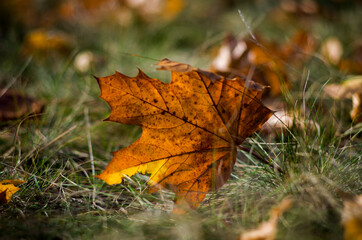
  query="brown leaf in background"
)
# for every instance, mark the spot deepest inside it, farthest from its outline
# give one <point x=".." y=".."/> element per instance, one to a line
<point x="299" y="48"/>
<point x="268" y="230"/>
<point x="350" y="89"/>
<point x="191" y="127"/>
<point x="240" y="57"/>
<point x="156" y="9"/>
<point x="321" y="8"/>
<point x="349" y="61"/>
<point x="303" y="7"/>
<point x="352" y="63"/>
<point x="15" y="105"/>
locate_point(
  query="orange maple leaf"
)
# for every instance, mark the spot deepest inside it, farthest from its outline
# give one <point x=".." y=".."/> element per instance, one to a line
<point x="191" y="127"/>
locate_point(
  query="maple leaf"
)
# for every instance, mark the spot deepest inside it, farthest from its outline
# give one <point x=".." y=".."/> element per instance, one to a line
<point x="191" y="127"/>
<point x="7" y="189"/>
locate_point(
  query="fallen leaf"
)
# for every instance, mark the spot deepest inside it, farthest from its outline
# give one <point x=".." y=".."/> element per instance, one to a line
<point x="191" y="127"/>
<point x="172" y="8"/>
<point x="356" y="112"/>
<point x="40" y="43"/>
<point x="15" y="105"/>
<point x="268" y="230"/>
<point x="299" y="48"/>
<point x="352" y="218"/>
<point x="7" y="189"/>
<point x="303" y="7"/>
<point x="352" y="64"/>
<point x="351" y="88"/>
<point x="242" y="57"/>
<point x="156" y="9"/>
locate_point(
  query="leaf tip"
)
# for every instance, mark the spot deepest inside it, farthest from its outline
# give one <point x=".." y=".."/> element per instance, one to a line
<point x="141" y="74"/>
<point x="98" y="176"/>
<point x="110" y="178"/>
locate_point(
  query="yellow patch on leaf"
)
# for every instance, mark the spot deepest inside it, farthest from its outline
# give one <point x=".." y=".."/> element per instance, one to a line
<point x="191" y="127"/>
<point x="7" y="189"/>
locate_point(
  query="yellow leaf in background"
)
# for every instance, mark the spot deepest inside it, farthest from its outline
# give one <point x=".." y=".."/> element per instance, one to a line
<point x="40" y="42"/>
<point x="352" y="218"/>
<point x="268" y="230"/>
<point x="172" y="8"/>
<point x="7" y="189"/>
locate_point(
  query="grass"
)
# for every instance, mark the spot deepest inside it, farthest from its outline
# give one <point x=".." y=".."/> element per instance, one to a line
<point x="56" y="152"/>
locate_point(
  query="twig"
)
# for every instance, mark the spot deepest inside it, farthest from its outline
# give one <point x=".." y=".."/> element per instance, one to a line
<point x="304" y="89"/>
<point x="18" y="140"/>
<point x="91" y="157"/>
<point x="13" y="80"/>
